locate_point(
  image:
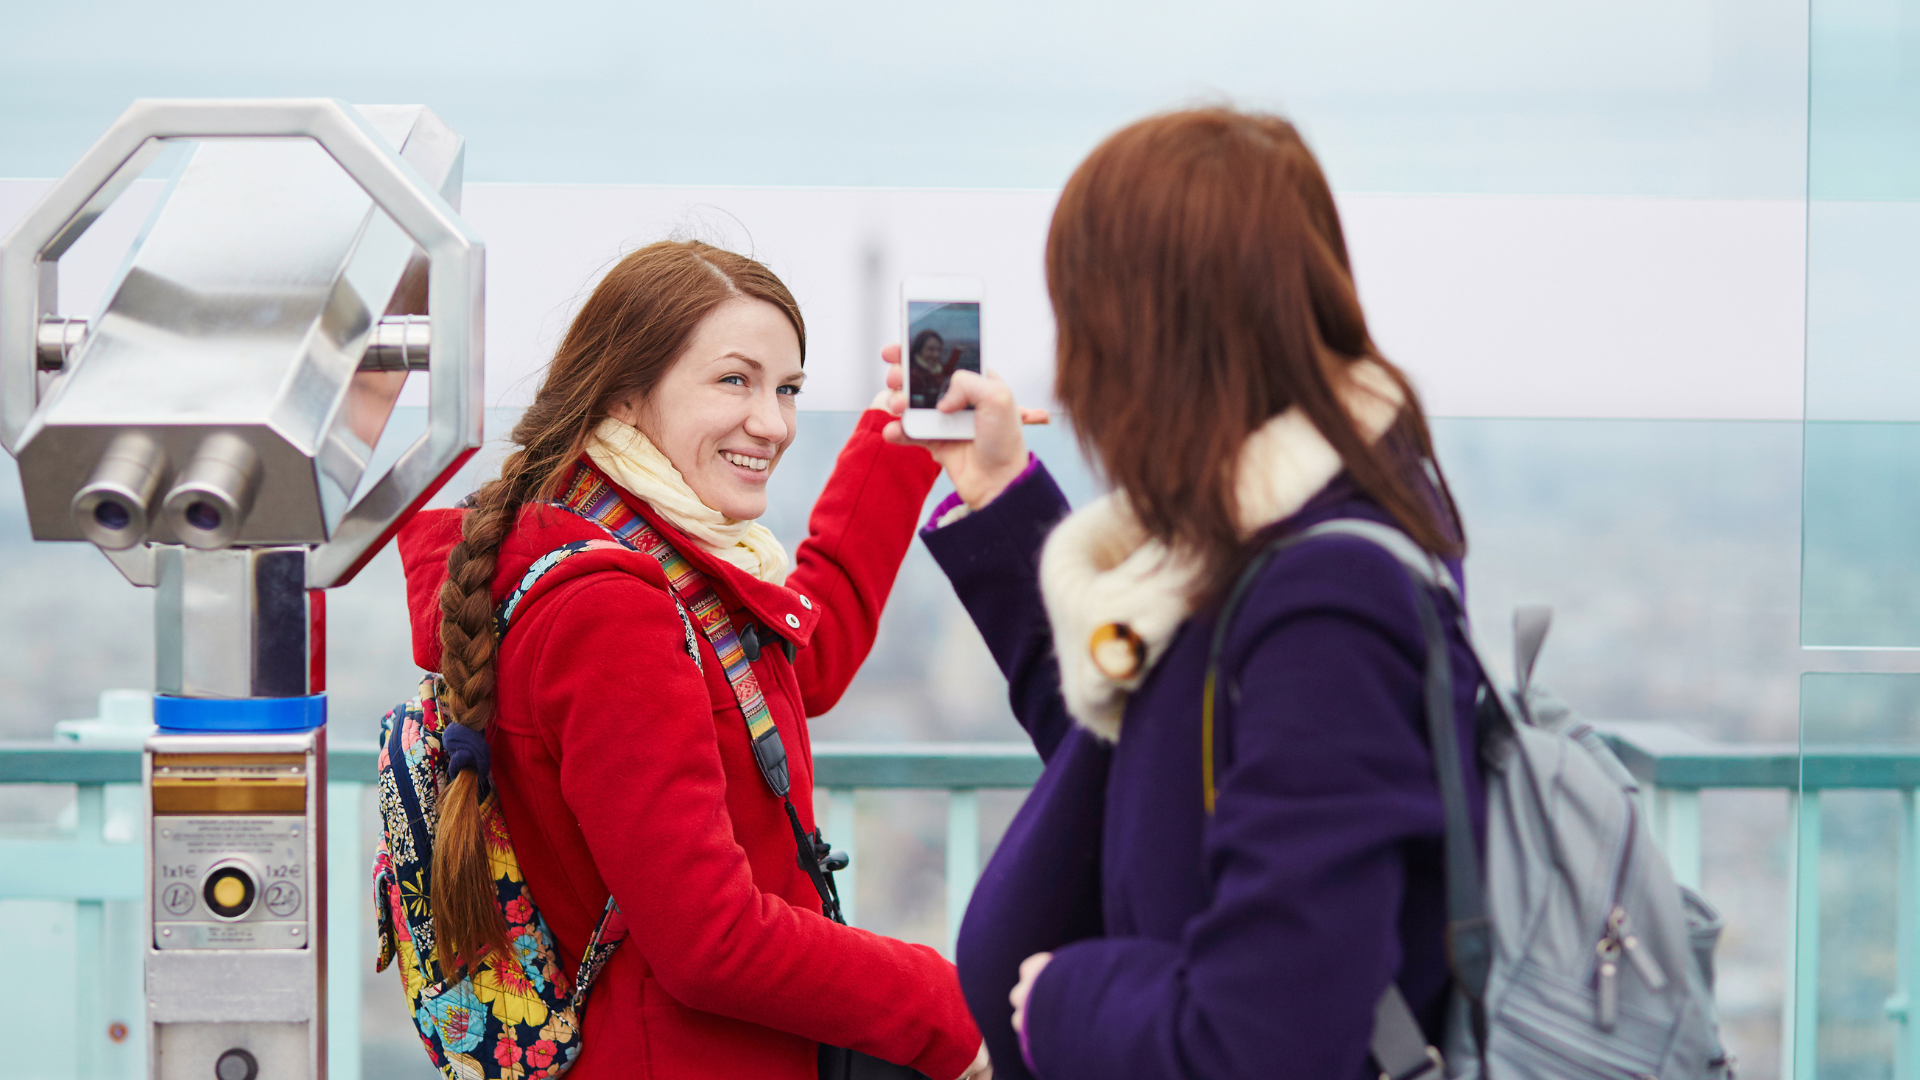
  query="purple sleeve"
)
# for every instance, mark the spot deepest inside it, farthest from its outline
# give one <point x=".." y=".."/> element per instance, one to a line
<point x="953" y="497"/>
<point x="992" y="557"/>
<point x="1328" y="785"/>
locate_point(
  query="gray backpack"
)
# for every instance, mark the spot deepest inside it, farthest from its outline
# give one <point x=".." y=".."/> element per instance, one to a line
<point x="1577" y="955"/>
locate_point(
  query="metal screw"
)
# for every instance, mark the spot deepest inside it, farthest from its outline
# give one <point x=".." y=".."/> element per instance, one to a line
<point x="165" y="833"/>
<point x="294" y="930"/>
<point x="166" y="933"/>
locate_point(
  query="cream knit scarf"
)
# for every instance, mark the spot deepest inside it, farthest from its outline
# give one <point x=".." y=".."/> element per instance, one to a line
<point x="626" y="455"/>
<point x="1115" y="596"/>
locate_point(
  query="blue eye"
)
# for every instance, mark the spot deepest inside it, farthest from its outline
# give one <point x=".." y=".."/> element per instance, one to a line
<point x="789" y="390"/>
<point x="734" y="380"/>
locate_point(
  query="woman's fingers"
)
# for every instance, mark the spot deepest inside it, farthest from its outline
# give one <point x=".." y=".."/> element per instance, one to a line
<point x="897" y="435"/>
<point x="970" y="388"/>
<point x="892" y="399"/>
<point x="890" y="356"/>
<point x="980" y="467"/>
<point x="982" y="1067"/>
<point x="1030" y="969"/>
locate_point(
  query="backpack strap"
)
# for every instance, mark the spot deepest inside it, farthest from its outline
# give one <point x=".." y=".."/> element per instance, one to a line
<point x="592" y="498"/>
<point x="607" y="935"/>
<point x="1398" y="1046"/>
<point x="611" y="930"/>
<point x="542" y="566"/>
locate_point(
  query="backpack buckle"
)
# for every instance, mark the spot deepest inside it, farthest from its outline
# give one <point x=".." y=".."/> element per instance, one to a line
<point x="1433" y="1068"/>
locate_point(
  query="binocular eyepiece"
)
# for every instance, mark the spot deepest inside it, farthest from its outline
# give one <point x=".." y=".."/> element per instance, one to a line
<point x="205" y="508"/>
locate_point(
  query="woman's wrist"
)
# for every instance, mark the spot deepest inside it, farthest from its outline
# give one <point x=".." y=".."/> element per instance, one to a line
<point x="981" y="1067"/>
<point x="992" y="486"/>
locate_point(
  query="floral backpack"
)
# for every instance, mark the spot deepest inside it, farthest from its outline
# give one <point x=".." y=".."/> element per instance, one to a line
<point x="514" y="1018"/>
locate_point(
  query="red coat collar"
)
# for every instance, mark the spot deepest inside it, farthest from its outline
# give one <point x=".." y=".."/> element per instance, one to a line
<point x="425" y="541"/>
<point x="786" y="612"/>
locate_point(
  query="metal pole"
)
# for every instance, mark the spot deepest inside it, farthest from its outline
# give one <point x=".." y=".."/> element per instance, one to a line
<point x="90" y="945"/>
<point x="963" y="857"/>
<point x="347" y="955"/>
<point x="1906" y="894"/>
<point x="1800" y="1005"/>
<point x="840" y="830"/>
<point x="1676" y="825"/>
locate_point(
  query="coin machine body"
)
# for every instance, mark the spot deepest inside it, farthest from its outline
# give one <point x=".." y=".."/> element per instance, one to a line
<point x="210" y="429"/>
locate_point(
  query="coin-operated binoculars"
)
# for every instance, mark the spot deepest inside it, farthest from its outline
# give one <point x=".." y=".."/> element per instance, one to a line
<point x="211" y="431"/>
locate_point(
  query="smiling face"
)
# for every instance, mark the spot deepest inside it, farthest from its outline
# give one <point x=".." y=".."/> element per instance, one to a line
<point x="725" y="411"/>
<point x="928" y="355"/>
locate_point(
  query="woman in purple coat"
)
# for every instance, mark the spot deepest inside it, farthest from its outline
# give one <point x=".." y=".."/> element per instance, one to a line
<point x="1151" y="913"/>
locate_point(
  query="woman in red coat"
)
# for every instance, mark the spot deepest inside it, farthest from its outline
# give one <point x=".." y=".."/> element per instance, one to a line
<point x="619" y="752"/>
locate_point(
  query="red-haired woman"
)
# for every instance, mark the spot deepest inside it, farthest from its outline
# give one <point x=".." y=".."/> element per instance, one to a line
<point x="620" y="745"/>
<point x="1216" y="365"/>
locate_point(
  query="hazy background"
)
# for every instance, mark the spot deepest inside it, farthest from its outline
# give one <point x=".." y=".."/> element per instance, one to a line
<point x="1627" y="248"/>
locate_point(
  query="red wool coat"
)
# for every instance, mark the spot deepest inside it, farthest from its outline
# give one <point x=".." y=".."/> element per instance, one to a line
<point x="622" y="767"/>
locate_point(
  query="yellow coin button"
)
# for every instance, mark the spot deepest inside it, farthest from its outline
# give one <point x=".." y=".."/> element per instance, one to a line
<point x="229" y="891"/>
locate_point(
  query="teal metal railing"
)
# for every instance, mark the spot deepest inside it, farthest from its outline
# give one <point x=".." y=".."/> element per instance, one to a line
<point x="95" y="865"/>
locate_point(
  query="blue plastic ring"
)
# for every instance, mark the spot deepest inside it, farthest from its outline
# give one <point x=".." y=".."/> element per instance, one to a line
<point x="172" y="713"/>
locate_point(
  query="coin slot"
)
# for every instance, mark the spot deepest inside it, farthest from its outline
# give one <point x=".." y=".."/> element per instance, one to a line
<point x="229" y="892"/>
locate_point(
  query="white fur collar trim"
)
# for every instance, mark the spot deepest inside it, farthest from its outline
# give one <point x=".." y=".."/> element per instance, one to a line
<point x="1111" y="591"/>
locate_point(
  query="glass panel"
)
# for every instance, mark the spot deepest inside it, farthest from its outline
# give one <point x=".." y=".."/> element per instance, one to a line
<point x="1861" y="583"/>
<point x="1854" y="954"/>
<point x="1860" y="737"/>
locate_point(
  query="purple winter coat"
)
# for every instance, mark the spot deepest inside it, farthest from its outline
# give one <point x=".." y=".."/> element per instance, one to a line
<point x="1254" y="943"/>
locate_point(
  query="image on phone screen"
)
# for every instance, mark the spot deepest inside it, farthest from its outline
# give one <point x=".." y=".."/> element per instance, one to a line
<point x="942" y="337"/>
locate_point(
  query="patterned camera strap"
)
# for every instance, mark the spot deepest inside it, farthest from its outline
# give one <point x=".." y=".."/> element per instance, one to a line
<point x="591" y="497"/>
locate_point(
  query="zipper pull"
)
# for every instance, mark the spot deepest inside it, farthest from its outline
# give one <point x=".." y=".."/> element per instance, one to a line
<point x="1642" y="959"/>
<point x="1607" y="1000"/>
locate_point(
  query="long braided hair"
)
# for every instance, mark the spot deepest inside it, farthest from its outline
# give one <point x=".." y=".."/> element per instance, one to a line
<point x="632" y="328"/>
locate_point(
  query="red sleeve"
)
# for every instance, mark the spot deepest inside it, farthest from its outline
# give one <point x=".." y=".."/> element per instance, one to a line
<point x="858" y="535"/>
<point x="640" y="770"/>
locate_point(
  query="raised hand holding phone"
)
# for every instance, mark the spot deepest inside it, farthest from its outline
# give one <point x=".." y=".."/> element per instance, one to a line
<point x="940" y="325"/>
<point x="980" y="467"/>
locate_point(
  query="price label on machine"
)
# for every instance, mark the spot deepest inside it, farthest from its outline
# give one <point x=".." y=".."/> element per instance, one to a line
<point x="230" y="882"/>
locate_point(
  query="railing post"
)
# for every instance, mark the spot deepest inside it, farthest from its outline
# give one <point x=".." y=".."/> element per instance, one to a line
<point x="1906" y="894"/>
<point x="90" y="944"/>
<point x="1800" y="1024"/>
<point x="125" y="942"/>
<point x="840" y="813"/>
<point x="963" y="856"/>
<point x="1676" y="828"/>
<point x="348" y="891"/>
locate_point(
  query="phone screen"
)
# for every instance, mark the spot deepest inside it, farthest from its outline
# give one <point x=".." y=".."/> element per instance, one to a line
<point x="942" y="337"/>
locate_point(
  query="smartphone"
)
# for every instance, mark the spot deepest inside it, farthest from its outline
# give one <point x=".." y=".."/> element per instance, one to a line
<point x="940" y="334"/>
